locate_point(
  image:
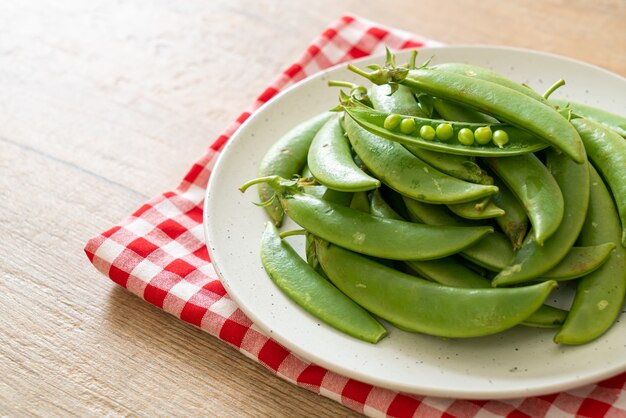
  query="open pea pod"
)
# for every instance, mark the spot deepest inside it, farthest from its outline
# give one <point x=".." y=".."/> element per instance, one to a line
<point x="417" y="305"/>
<point x="314" y="293"/>
<point x="402" y="101"/>
<point x="519" y="141"/>
<point x="396" y="167"/>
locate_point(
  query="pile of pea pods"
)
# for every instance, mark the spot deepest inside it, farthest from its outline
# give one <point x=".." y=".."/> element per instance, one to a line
<point x="449" y="200"/>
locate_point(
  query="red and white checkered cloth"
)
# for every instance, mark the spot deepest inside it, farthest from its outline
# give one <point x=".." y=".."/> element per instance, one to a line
<point x="159" y="254"/>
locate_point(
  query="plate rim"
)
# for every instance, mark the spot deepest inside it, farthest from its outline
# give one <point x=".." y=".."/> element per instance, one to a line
<point x="349" y="372"/>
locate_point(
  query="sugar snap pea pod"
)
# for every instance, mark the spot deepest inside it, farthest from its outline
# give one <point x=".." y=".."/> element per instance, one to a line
<point x="402" y="171"/>
<point x="473" y="210"/>
<point x="379" y="207"/>
<point x="493" y="252"/>
<point x="457" y="113"/>
<point x="312" y="292"/>
<point x="601" y="116"/>
<point x="514" y="222"/>
<point x="286" y="158"/>
<point x="418" y="305"/>
<point x="403" y="102"/>
<point x="368" y="234"/>
<point x="579" y="262"/>
<point x="449" y="272"/>
<point x="599" y="295"/>
<point x="536" y="189"/>
<point x="533" y="259"/>
<point x="482" y="73"/>
<point x="501" y="102"/>
<point x="607" y="151"/>
<point x="330" y="160"/>
<point x="519" y="141"/>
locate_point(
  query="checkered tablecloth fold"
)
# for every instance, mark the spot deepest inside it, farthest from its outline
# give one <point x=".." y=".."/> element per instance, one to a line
<point x="159" y="254"/>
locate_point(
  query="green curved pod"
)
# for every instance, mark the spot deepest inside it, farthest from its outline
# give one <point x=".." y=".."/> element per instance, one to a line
<point x="331" y="163"/>
<point x="312" y="292"/>
<point x="482" y="73"/>
<point x="520" y="141"/>
<point x="534" y="259"/>
<point x="286" y="158"/>
<point x="607" y="151"/>
<point x="600" y="295"/>
<point x="402" y="171"/>
<point x="449" y="272"/>
<point x="376" y="236"/>
<point x="417" y="305"/>
<point x="536" y="189"/>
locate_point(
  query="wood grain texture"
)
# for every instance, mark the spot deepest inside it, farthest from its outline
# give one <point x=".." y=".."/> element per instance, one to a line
<point x="104" y="104"/>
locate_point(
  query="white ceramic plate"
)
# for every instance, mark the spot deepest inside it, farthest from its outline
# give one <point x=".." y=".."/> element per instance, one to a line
<point x="518" y="363"/>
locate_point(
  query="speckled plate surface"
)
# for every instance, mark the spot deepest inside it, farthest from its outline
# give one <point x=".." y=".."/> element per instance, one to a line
<point x="518" y="363"/>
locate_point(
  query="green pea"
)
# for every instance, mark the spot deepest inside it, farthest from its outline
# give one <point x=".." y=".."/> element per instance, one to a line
<point x="466" y="136"/>
<point x="483" y="135"/>
<point x="444" y="131"/>
<point x="427" y="132"/>
<point x="407" y="126"/>
<point x="500" y="138"/>
<point x="392" y="121"/>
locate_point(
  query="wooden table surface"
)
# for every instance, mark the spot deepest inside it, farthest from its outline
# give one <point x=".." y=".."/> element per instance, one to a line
<point x="104" y="104"/>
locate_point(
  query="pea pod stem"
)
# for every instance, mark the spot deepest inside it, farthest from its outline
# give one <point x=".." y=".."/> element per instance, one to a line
<point x="553" y="88"/>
